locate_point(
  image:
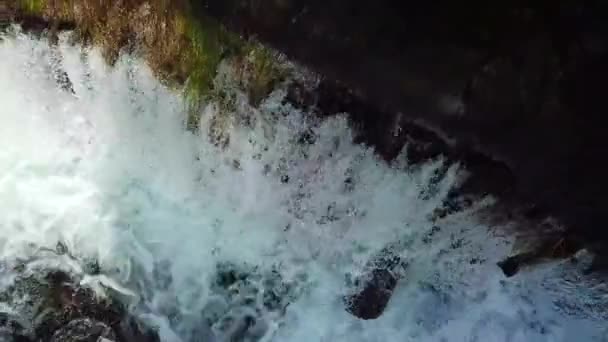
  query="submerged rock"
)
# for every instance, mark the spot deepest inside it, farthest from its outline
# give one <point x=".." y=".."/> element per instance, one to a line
<point x="376" y="286"/>
<point x="56" y="308"/>
<point x="130" y="329"/>
<point x="371" y="301"/>
<point x="11" y="329"/>
<point x="84" y="330"/>
<point x="243" y="300"/>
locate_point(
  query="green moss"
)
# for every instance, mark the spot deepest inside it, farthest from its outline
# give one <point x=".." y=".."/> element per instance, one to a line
<point x="257" y="75"/>
<point x="31" y="6"/>
<point x="210" y="44"/>
<point x="265" y="73"/>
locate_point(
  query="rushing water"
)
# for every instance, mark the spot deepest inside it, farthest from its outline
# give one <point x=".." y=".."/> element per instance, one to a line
<point x="110" y="172"/>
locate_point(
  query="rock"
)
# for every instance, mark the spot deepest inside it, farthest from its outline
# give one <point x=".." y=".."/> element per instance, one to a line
<point x="60" y="309"/>
<point x="242" y="325"/>
<point x="370" y="302"/>
<point x="129" y="329"/>
<point x="11" y="329"/>
<point x="84" y="330"/>
<point x="35" y="24"/>
<point x="511" y="265"/>
<point x="375" y="287"/>
<point x="242" y="297"/>
<point x="10" y="337"/>
<point x="598" y="264"/>
<point x="546" y="249"/>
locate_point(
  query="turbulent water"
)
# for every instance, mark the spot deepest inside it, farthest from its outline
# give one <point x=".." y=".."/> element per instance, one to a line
<point x="110" y="171"/>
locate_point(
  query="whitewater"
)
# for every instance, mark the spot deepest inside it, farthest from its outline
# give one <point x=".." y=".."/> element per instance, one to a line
<point x="110" y="171"/>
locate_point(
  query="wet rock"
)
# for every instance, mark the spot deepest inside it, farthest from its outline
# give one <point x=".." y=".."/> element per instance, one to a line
<point x="371" y="301"/>
<point x="428" y="237"/>
<point x="252" y="288"/>
<point x="375" y="288"/>
<point x="60" y="309"/>
<point x="11" y="329"/>
<point x="215" y="308"/>
<point x="130" y="329"/>
<point x="242" y="325"/>
<point x="546" y="249"/>
<point x="510" y="266"/>
<point x="84" y="330"/>
<point x="36" y="25"/>
<point x="196" y="332"/>
<point x="243" y="297"/>
<point x="389" y="133"/>
<point x="598" y="264"/>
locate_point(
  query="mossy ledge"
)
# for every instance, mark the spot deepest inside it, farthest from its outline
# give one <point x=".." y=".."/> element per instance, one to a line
<point x="184" y="52"/>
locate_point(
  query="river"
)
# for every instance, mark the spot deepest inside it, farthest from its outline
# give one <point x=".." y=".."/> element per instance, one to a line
<point x="110" y="172"/>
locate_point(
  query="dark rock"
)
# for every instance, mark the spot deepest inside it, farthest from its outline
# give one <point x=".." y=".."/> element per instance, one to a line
<point x="371" y="301"/>
<point x="510" y="266"/>
<point x="547" y="249"/>
<point x="389" y="133"/>
<point x="36" y="24"/>
<point x="129" y="329"/>
<point x="428" y="237"/>
<point x="375" y="287"/>
<point x="83" y="330"/>
<point x="248" y="287"/>
<point x="599" y="264"/>
<point x="10" y="337"/>
<point x="242" y="296"/>
<point x="11" y="330"/>
<point x="63" y="310"/>
<point x="242" y="326"/>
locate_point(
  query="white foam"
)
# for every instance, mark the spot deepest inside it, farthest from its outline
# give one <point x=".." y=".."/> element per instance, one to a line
<point x="111" y="172"/>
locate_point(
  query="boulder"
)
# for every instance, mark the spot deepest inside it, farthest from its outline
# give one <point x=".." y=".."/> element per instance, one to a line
<point x="374" y="288"/>
<point x="84" y="330"/>
<point x="58" y="308"/>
